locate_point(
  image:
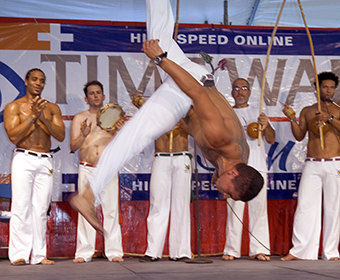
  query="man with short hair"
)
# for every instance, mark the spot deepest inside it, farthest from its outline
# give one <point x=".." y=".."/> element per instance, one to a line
<point x="257" y="207"/>
<point x="30" y="122"/>
<point x="320" y="177"/>
<point x="211" y="120"/>
<point x="91" y="140"/>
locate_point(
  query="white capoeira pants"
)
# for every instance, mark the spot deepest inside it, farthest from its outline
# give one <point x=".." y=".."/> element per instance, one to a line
<point x="258" y="224"/>
<point x="86" y="234"/>
<point x="32" y="182"/>
<point x="160" y="113"/>
<point x="170" y="190"/>
<point x="319" y="179"/>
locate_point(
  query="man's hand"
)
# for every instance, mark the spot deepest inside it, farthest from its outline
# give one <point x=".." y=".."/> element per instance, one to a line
<point x="119" y="124"/>
<point x="322" y="116"/>
<point x="289" y="112"/>
<point x="263" y="121"/>
<point x="85" y="128"/>
<point x="37" y="107"/>
<point x="151" y="48"/>
<point x="138" y="100"/>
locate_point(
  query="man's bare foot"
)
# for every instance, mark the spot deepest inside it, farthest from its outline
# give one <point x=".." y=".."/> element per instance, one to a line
<point x="228" y="257"/>
<point x="79" y="260"/>
<point x="117" y="259"/>
<point x="260" y="257"/>
<point x="334" y="259"/>
<point x="46" y="262"/>
<point x="289" y="257"/>
<point x="19" y="262"/>
<point x="84" y="205"/>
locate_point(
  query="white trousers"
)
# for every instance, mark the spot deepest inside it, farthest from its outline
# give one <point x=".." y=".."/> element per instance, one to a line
<point x="170" y="190"/>
<point x="258" y="224"/>
<point x="160" y="113"/>
<point x="32" y="182"/>
<point x="86" y="234"/>
<point x="318" y="179"/>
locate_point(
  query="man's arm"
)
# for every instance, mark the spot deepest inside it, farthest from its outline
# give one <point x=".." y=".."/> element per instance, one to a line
<point x="269" y="134"/>
<point x="298" y="129"/>
<point x="184" y="127"/>
<point x="79" y="130"/>
<point x="268" y="131"/>
<point x="209" y="116"/>
<point x="56" y="126"/>
<point x="15" y="129"/>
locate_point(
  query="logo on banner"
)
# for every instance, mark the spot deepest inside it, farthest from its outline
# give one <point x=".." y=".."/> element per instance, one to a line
<point x="12" y="77"/>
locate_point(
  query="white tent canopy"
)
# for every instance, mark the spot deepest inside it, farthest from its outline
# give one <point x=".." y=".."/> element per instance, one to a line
<point x="240" y="12"/>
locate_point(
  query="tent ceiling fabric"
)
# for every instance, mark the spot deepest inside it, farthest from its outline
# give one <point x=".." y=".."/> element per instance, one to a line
<point x="318" y="13"/>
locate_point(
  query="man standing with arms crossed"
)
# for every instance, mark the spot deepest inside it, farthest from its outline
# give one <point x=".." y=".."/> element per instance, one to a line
<point x="320" y="178"/>
<point x="30" y="121"/>
<point x="257" y="207"/>
<point x="170" y="190"/>
<point x="91" y="140"/>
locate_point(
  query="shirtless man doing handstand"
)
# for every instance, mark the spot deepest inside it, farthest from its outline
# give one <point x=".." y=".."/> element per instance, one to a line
<point x="211" y="120"/>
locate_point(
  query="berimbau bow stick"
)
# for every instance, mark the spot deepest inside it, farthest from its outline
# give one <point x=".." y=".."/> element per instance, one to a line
<point x="265" y="69"/>
<point x="315" y="72"/>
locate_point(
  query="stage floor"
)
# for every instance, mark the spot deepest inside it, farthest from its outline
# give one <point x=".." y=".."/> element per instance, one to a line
<point x="131" y="268"/>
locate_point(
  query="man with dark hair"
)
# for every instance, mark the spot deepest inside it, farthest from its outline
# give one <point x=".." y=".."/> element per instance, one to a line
<point x="320" y="177"/>
<point x="257" y="207"/>
<point x="91" y="140"/>
<point x="211" y="120"/>
<point x="30" y="121"/>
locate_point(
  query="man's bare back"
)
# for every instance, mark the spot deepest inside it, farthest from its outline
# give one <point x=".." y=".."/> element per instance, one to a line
<point x="236" y="149"/>
<point x="216" y="129"/>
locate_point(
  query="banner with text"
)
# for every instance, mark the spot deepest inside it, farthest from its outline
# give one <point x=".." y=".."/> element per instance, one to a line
<point x="72" y="54"/>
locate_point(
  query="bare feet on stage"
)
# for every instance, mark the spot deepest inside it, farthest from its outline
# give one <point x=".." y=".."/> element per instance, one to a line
<point x="228" y="257"/>
<point x="117" y="259"/>
<point x="78" y="260"/>
<point x="334" y="259"/>
<point x="19" y="262"/>
<point x="84" y="204"/>
<point x="289" y="257"/>
<point x="260" y="257"/>
<point x="46" y="262"/>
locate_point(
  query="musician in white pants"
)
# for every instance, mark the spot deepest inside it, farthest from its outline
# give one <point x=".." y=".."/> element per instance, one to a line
<point x="319" y="188"/>
<point x="257" y="207"/>
<point x="30" y="122"/>
<point x="91" y="140"/>
<point x="32" y="183"/>
<point x="170" y="190"/>
<point x="86" y="235"/>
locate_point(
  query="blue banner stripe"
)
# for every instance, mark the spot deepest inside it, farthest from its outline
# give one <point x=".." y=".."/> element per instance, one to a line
<point x="99" y="38"/>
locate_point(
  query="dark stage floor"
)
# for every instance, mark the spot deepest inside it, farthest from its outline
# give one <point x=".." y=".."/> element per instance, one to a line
<point x="131" y="268"/>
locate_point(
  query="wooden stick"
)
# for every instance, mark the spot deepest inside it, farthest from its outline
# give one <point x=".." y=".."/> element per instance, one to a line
<point x="315" y="72"/>
<point x="266" y="67"/>
<point x="176" y="23"/>
<point x="171" y="136"/>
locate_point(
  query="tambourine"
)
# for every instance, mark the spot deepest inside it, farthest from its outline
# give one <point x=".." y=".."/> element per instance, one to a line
<point x="109" y="115"/>
<point x="314" y="126"/>
<point x="253" y="130"/>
